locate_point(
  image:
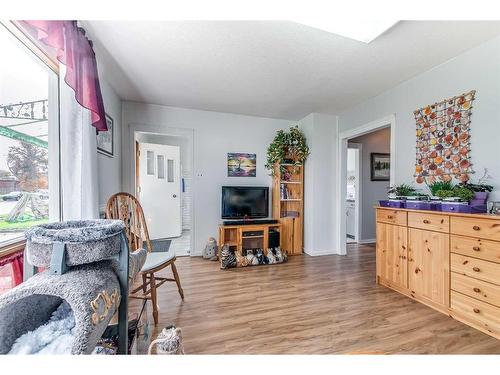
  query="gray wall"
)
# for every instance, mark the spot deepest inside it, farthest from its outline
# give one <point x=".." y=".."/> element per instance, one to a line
<point x="371" y="191"/>
<point x="110" y="177"/>
<point x="477" y="69"/>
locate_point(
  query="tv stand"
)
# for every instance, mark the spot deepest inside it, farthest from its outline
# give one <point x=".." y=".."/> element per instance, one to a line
<point x="249" y="236"/>
<point x="249" y="221"/>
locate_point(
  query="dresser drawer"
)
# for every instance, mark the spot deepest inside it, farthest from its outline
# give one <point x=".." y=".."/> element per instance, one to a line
<point x="478" y="289"/>
<point x="476" y="268"/>
<point x="391" y="217"/>
<point x="476" y="312"/>
<point x="476" y="227"/>
<point x="435" y="222"/>
<point x="475" y="247"/>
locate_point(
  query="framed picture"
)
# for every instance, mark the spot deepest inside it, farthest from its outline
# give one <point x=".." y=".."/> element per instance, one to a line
<point x="241" y="165"/>
<point x="105" y="140"/>
<point x="380" y="166"/>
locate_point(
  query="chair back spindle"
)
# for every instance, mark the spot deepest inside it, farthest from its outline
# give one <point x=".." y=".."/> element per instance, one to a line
<point x="124" y="206"/>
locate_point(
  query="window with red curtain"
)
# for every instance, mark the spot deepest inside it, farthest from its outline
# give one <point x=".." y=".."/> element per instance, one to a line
<point x="11" y="271"/>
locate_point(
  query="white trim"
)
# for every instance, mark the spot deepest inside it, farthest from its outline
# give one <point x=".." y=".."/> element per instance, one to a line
<point x="319" y="253"/>
<point x="343" y="137"/>
<point x="364" y="242"/>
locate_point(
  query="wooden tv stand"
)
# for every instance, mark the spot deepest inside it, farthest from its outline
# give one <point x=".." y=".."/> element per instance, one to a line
<point x="234" y="236"/>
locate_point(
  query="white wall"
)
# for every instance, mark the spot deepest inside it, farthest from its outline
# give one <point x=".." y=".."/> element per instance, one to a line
<point x="110" y="177"/>
<point x="319" y="185"/>
<point x="215" y="134"/>
<point x="371" y="191"/>
<point x="478" y="69"/>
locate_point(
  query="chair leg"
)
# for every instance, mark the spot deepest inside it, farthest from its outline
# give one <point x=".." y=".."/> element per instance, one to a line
<point x="144" y="283"/>
<point x="154" y="300"/>
<point x="177" y="280"/>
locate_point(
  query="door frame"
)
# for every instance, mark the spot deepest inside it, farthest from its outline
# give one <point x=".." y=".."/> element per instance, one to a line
<point x="358" y="190"/>
<point x="167" y="131"/>
<point x="343" y="138"/>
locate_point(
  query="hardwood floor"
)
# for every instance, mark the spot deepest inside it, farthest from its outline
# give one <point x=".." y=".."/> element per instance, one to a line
<point x="310" y="305"/>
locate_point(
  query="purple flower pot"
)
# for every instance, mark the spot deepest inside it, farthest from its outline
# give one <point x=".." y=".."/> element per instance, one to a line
<point x="392" y="204"/>
<point x="464" y="208"/>
<point x="481" y="195"/>
<point x="423" y="205"/>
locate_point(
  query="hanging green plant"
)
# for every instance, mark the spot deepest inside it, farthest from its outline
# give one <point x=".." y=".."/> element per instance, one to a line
<point x="287" y="145"/>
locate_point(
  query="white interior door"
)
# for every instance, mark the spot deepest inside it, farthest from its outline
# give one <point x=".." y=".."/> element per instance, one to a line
<point x="160" y="189"/>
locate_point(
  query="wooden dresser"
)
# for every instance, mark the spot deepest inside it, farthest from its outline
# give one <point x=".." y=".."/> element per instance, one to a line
<point x="448" y="261"/>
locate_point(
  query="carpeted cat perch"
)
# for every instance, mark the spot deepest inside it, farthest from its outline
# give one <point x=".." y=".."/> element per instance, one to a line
<point x="66" y="308"/>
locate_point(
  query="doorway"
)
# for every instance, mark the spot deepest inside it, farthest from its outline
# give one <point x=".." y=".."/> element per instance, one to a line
<point x="163" y="185"/>
<point x="376" y="137"/>
<point x="353" y="196"/>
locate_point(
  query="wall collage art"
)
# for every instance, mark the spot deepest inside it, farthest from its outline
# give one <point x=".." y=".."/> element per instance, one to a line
<point x="443" y="140"/>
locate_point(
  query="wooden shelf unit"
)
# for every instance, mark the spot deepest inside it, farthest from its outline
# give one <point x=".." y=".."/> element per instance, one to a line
<point x="234" y="236"/>
<point x="292" y="227"/>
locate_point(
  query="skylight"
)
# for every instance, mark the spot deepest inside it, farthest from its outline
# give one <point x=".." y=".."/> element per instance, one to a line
<point x="363" y="31"/>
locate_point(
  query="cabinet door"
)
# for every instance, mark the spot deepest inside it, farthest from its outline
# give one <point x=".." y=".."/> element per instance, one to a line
<point x="429" y="265"/>
<point x="392" y="263"/>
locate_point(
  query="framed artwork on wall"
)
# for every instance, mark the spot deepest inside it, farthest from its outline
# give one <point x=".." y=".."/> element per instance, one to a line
<point x="380" y="166"/>
<point x="105" y="140"/>
<point x="241" y="164"/>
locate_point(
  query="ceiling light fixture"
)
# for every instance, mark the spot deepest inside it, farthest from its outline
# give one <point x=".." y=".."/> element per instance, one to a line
<point x="363" y="31"/>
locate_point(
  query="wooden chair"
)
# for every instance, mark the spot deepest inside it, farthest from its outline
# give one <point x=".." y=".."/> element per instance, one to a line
<point x="126" y="207"/>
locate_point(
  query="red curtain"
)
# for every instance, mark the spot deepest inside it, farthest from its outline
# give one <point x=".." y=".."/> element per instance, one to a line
<point x="74" y="50"/>
<point x="16" y="264"/>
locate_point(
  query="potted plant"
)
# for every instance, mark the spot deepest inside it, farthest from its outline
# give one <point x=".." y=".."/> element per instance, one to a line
<point x="401" y="191"/>
<point x="443" y="186"/>
<point x="481" y="189"/>
<point x="287" y="146"/>
<point x="397" y="195"/>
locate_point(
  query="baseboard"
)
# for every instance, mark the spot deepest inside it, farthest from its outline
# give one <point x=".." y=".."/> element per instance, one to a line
<point x="320" y="253"/>
<point x="364" y="242"/>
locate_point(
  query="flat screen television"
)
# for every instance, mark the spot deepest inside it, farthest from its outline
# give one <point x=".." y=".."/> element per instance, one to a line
<point x="245" y="202"/>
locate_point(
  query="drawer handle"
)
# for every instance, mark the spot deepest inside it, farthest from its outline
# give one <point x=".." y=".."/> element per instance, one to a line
<point x="426" y="221"/>
<point x="475" y="269"/>
<point x="477" y="290"/>
<point x="475" y="227"/>
<point x="476" y="248"/>
<point x="390" y="217"/>
<point x="476" y="310"/>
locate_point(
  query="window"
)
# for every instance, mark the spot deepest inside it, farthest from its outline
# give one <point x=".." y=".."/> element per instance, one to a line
<point x="29" y="135"/>
<point x="150" y="161"/>
<point x="170" y="170"/>
<point x="161" y="166"/>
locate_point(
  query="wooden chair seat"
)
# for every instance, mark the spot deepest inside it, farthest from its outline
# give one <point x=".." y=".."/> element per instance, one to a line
<point x="125" y="207"/>
<point x="155" y="260"/>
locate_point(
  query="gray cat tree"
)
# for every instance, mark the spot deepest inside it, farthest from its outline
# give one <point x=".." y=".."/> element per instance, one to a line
<point x="86" y="273"/>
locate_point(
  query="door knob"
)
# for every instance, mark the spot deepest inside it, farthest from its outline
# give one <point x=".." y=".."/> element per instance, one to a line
<point x="175" y="195"/>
